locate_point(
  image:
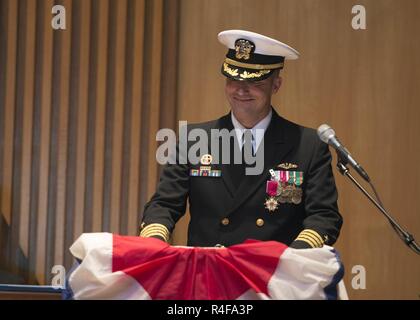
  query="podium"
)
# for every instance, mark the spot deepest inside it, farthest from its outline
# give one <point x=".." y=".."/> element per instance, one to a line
<point x="111" y="266"/>
<point x="29" y="292"/>
<point x="118" y="267"/>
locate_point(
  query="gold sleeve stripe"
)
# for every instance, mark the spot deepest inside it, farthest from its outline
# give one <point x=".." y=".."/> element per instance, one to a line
<point x="307" y="240"/>
<point x="154" y="225"/>
<point x="312" y="237"/>
<point x="152" y="231"/>
<point x="314" y="233"/>
<point x="163" y="236"/>
<point x="148" y="232"/>
<point x="155" y="233"/>
<point x="155" y="229"/>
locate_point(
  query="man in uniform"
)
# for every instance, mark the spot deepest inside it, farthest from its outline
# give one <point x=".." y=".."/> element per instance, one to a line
<point x="293" y="200"/>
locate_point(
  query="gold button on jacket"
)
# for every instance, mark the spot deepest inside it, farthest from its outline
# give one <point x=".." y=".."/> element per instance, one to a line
<point x="260" y="222"/>
<point x="225" y="221"/>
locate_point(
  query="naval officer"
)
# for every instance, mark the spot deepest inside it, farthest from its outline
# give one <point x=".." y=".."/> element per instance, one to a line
<point x="293" y="199"/>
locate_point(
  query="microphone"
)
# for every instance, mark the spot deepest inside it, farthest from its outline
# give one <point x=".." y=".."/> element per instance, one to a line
<point x="327" y="135"/>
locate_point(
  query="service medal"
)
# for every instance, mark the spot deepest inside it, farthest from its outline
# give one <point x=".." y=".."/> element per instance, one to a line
<point x="297" y="196"/>
<point x="292" y="177"/>
<point x="279" y="190"/>
<point x="284" y="176"/>
<point x="271" y="204"/>
<point x="282" y="199"/>
<point x="206" y="159"/>
<point x="287" y="192"/>
<point x="271" y="187"/>
<point x="298" y="178"/>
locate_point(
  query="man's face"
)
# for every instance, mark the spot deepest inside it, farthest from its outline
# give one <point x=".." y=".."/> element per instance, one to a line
<point x="252" y="97"/>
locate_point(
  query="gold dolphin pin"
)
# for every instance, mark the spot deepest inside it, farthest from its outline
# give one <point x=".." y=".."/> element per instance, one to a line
<point x="287" y="166"/>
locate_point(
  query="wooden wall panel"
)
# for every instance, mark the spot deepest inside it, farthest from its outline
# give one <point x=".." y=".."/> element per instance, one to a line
<point x="80" y="109"/>
<point x="26" y="114"/>
<point x="118" y="106"/>
<point x="61" y="222"/>
<point x="37" y="256"/>
<point x="82" y="88"/>
<point x="134" y="118"/>
<point x="153" y="74"/>
<point x="363" y="83"/>
<point x="9" y="23"/>
<point x="100" y="15"/>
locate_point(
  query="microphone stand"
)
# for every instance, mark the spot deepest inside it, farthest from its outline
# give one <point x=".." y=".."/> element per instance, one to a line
<point x="404" y="235"/>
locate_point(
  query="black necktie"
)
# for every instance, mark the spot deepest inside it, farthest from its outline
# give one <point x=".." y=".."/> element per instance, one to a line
<point x="247" y="144"/>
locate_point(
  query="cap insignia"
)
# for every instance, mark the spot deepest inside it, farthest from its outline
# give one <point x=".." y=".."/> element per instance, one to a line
<point x="243" y="48"/>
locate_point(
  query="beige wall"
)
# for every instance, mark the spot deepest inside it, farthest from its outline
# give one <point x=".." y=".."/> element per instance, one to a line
<point x="365" y="84"/>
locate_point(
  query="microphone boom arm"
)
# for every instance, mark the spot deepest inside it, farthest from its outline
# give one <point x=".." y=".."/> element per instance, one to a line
<point x="404" y="235"/>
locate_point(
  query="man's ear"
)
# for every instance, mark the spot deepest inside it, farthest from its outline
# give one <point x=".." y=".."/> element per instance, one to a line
<point x="277" y="84"/>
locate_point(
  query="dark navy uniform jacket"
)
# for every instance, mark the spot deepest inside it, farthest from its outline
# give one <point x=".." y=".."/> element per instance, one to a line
<point x="222" y="213"/>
